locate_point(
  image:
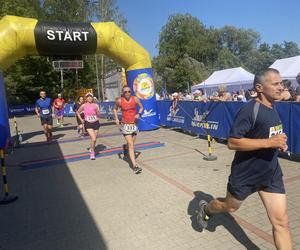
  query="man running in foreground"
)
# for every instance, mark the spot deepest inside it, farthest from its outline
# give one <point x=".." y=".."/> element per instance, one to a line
<point x="128" y="105"/>
<point x="59" y="104"/>
<point x="257" y="135"/>
<point x="43" y="110"/>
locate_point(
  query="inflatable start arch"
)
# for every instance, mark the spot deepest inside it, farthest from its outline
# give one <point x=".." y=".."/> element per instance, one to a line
<point x="26" y="36"/>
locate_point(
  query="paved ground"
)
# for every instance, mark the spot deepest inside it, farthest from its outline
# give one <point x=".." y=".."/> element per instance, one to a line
<point x="101" y="204"/>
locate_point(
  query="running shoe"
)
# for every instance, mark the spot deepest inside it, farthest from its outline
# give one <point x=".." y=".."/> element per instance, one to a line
<point x="137" y="169"/>
<point x="92" y="155"/>
<point x="202" y="217"/>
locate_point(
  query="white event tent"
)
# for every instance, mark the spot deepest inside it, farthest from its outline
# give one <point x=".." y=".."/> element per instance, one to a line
<point x="234" y="79"/>
<point x="288" y="68"/>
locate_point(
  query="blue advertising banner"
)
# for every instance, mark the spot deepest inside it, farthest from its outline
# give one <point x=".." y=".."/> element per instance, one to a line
<point x="69" y="110"/>
<point x="191" y="116"/>
<point x="284" y="111"/>
<point x="141" y="83"/>
<point x="4" y="124"/>
<point x="294" y="132"/>
<point x="107" y="110"/>
<point x="25" y="109"/>
<point x="196" y="117"/>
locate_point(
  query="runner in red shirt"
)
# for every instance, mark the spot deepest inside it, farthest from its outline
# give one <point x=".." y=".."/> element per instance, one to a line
<point x="128" y="105"/>
<point x="59" y="104"/>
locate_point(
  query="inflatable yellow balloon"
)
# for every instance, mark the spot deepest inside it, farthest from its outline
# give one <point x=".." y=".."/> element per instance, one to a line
<point x="26" y="36"/>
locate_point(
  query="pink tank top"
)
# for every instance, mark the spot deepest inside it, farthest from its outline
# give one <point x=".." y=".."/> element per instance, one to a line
<point x="90" y="112"/>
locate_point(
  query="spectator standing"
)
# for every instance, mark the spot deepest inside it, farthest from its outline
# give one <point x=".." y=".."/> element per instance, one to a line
<point x="286" y="94"/>
<point x="298" y="88"/>
<point x="199" y="96"/>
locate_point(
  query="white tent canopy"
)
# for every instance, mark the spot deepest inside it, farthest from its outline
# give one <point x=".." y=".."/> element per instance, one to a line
<point x="235" y="78"/>
<point x="288" y="67"/>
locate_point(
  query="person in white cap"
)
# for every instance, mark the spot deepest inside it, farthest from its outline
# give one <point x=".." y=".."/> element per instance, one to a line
<point x="91" y="120"/>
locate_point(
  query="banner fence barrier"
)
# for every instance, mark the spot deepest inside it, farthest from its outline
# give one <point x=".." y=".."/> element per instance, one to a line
<point x="192" y="117"/>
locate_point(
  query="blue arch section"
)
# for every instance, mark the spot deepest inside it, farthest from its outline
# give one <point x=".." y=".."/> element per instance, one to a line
<point x="4" y="123"/>
<point x="141" y="82"/>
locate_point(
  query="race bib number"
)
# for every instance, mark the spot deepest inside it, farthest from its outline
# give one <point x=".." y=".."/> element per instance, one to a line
<point x="45" y="111"/>
<point x="275" y="130"/>
<point x="129" y="128"/>
<point x="91" y="118"/>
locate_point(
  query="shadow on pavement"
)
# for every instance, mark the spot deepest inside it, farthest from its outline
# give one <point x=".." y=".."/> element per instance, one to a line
<point x="224" y="219"/>
<point x="99" y="147"/>
<point x="127" y="159"/>
<point x="27" y="136"/>
<point x="51" y="212"/>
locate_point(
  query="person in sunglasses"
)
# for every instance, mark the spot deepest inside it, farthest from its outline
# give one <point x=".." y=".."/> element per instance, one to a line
<point x="128" y="105"/>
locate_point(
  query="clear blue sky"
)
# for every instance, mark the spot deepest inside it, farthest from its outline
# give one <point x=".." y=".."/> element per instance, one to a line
<point x="275" y="20"/>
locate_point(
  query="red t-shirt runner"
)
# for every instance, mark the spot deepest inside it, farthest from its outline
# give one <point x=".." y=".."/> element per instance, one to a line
<point x="128" y="109"/>
<point x="59" y="103"/>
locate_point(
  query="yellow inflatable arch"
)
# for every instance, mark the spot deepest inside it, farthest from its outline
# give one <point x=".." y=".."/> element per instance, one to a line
<point x="26" y="36"/>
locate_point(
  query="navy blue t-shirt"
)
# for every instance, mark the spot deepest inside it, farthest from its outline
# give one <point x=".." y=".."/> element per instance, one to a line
<point x="44" y="105"/>
<point x="255" y="167"/>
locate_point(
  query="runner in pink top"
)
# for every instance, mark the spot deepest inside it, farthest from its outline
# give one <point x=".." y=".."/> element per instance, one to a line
<point x="91" y="120"/>
<point x="90" y="111"/>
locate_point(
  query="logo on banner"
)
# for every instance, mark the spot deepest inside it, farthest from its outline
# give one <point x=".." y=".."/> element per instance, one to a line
<point x="275" y="130"/>
<point x="173" y="117"/>
<point x="102" y="110"/>
<point x="111" y="111"/>
<point x="16" y="110"/>
<point x="30" y="109"/>
<point x="148" y="113"/>
<point x="71" y="36"/>
<point x="143" y="86"/>
<point x="71" y="111"/>
<point x="199" y="120"/>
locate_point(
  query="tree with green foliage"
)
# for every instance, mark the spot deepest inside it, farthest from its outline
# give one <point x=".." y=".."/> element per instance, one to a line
<point x="184" y="39"/>
<point x="181" y="44"/>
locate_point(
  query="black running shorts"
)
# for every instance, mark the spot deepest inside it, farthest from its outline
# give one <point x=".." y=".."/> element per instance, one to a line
<point x="92" y="125"/>
<point x="47" y="120"/>
<point x="242" y="191"/>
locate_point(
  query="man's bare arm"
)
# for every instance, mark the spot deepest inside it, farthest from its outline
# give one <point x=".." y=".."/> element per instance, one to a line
<point x="246" y="144"/>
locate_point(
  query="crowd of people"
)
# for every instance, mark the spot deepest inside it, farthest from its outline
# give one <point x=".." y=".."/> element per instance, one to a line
<point x="289" y="93"/>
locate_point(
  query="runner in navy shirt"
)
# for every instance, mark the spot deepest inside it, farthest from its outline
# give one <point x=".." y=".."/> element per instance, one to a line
<point x="43" y="110"/>
<point x="257" y="135"/>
